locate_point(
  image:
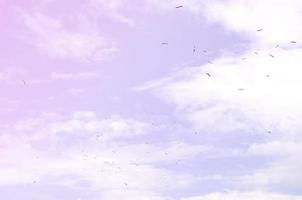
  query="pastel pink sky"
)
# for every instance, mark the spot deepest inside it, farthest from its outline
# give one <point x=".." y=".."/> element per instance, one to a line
<point x="95" y="107"/>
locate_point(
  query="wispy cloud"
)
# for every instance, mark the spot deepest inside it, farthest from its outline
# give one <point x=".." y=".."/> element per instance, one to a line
<point x="3" y="76"/>
<point x="94" y="148"/>
<point x="114" y="10"/>
<point x="76" y="91"/>
<point x="54" y="39"/>
<point x="74" y="76"/>
<point x="193" y="6"/>
<point x="245" y="196"/>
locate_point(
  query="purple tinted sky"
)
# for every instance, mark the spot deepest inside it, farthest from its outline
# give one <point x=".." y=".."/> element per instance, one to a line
<point x="94" y="107"/>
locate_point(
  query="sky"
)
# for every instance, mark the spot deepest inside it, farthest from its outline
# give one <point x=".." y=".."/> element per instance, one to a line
<point x="140" y="100"/>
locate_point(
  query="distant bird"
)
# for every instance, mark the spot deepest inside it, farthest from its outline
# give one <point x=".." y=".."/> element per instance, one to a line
<point x="269" y="132"/>
<point x="260" y="30"/>
<point x="208" y="74"/>
<point x="243" y="58"/>
<point x="293" y="42"/>
<point x="24" y="83"/>
<point x="164" y="43"/>
<point x="178" y="6"/>
<point x="194" y="49"/>
<point x="271" y="55"/>
<point x="277" y="46"/>
<point x="256" y="52"/>
<point x="210" y="62"/>
<point x="240" y="89"/>
<point x="267" y="75"/>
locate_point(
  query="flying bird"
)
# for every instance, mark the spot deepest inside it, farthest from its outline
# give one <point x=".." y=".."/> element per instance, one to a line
<point x="178" y="6"/>
<point x="277" y="46"/>
<point x="260" y="30"/>
<point x="293" y="42"/>
<point x="24" y="83"/>
<point x="194" y="49"/>
<point x="164" y="43"/>
<point x="271" y="55"/>
<point x="240" y="89"/>
<point x="208" y="74"/>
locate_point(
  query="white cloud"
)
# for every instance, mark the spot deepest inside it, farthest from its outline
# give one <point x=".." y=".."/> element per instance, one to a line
<point x="83" y="151"/>
<point x="269" y="107"/>
<point x="83" y="122"/>
<point x="275" y="148"/>
<point x="280" y="25"/>
<point x="257" y="97"/>
<point x="131" y="195"/>
<point x="169" y="152"/>
<point x="270" y="92"/>
<point x="56" y="40"/>
<point x="284" y="170"/>
<point x="279" y="19"/>
<point x="114" y="10"/>
<point x="245" y="196"/>
<point x="74" y="76"/>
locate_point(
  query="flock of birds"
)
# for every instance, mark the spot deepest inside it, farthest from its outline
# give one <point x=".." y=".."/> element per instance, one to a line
<point x="208" y="74"/>
<point x="205" y="51"/>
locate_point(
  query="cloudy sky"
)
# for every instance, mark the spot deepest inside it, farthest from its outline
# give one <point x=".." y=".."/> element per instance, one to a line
<point x="140" y="100"/>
